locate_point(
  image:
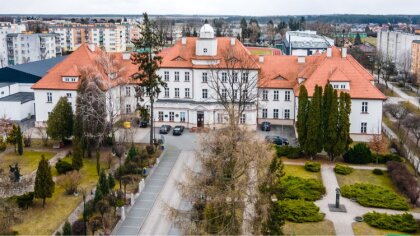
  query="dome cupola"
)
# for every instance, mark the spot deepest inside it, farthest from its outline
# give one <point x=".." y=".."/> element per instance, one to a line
<point x="206" y="32"/>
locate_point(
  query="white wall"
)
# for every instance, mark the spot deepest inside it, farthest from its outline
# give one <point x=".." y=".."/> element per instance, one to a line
<point x="271" y="104"/>
<point x="373" y="117"/>
<point x="42" y="107"/>
<point x="16" y="111"/>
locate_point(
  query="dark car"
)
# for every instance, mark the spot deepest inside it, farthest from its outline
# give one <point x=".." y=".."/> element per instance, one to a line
<point x="277" y="140"/>
<point x="265" y="126"/>
<point x="177" y="131"/>
<point x="143" y="124"/>
<point x="181" y="127"/>
<point x="164" y="129"/>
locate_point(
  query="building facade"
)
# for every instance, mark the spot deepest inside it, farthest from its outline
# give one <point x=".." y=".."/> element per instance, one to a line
<point x="5" y="29"/>
<point x="415" y="59"/>
<point x="305" y="43"/>
<point x="24" y="48"/>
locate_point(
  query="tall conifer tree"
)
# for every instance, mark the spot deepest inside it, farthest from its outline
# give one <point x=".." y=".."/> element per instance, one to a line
<point x="314" y="140"/>
<point x="302" y="115"/>
<point x="44" y="184"/>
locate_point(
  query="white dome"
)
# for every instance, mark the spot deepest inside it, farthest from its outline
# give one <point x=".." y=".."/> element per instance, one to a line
<point x="206" y="32"/>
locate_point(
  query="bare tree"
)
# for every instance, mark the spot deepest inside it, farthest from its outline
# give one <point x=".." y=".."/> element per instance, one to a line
<point x="404" y="66"/>
<point x="222" y="191"/>
<point x="378" y="144"/>
<point x="388" y="70"/>
<point x="234" y="82"/>
<point x="379" y="64"/>
<point x="412" y="123"/>
<point x="397" y="111"/>
<point x="44" y="136"/>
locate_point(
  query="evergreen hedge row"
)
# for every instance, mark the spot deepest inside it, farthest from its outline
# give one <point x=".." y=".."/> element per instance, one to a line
<point x="298" y="188"/>
<point x="402" y="222"/>
<point x="300" y="211"/>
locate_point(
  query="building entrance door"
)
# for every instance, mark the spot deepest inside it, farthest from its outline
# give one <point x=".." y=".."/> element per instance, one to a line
<point x="200" y="119"/>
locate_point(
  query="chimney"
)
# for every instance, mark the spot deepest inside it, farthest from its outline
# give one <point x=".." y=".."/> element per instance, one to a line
<point x="91" y="47"/>
<point x="232" y="41"/>
<point x="344" y="52"/>
<point x="183" y="40"/>
<point x="261" y="59"/>
<point x="301" y="60"/>
<point x="126" y="56"/>
<point x="329" y="52"/>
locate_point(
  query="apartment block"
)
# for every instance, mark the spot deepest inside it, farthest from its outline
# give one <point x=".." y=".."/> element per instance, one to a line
<point x="415" y="59"/>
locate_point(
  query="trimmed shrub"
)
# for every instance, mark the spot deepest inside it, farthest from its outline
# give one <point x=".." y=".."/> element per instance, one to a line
<point x="67" y="228"/>
<point x="402" y="222"/>
<point x="63" y="167"/>
<point x="79" y="227"/>
<point x="404" y="180"/>
<point x="150" y="149"/>
<point x="343" y="169"/>
<point x="3" y="145"/>
<point x="300" y="211"/>
<point x="289" y="151"/>
<point x="312" y="166"/>
<point x="383" y="159"/>
<point x="370" y="195"/>
<point x="25" y="200"/>
<point x="359" y="154"/>
<point x="378" y="172"/>
<point x="298" y="188"/>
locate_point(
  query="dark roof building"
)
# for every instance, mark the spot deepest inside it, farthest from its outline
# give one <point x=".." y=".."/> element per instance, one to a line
<point x="22" y="97"/>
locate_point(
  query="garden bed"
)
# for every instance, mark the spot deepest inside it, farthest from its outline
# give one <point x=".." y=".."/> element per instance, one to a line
<point x="298" y="170"/>
<point x="324" y="227"/>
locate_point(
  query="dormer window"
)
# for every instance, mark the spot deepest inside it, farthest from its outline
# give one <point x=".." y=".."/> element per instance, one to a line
<point x="205" y="50"/>
<point x="112" y="75"/>
<point x="70" y="79"/>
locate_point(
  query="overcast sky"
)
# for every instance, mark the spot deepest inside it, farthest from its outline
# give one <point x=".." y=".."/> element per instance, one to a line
<point x="213" y="7"/>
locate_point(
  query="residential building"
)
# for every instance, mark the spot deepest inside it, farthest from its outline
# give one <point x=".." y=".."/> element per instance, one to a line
<point x="304" y="43"/>
<point x="7" y="28"/>
<point x="395" y="46"/>
<point x="17" y="100"/>
<point x="415" y="59"/>
<point x="24" y="48"/>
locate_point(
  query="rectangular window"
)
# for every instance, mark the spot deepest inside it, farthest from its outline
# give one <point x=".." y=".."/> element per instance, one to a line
<point x="127" y="91"/>
<point x="204" y="93"/>
<point x="364" y="107"/>
<point x="264" y="113"/>
<point x="187" y="92"/>
<point x="160" y="116"/>
<point x="363" y="127"/>
<point x="224" y="77"/>
<point x="219" y="118"/>
<point x="245" y="94"/>
<point x="235" y="94"/>
<point x="343" y="86"/>
<point x="276" y="95"/>
<point x="286" y="114"/>
<point x="171" y="116"/>
<point x="245" y="77"/>
<point x="166" y="92"/>
<point x="128" y="109"/>
<point x="204" y="77"/>
<point x="235" y="77"/>
<point x="224" y="93"/>
<point x="287" y="96"/>
<point x="177" y="92"/>
<point x="177" y="76"/>
<point x="187" y="77"/>
<point x="182" y="117"/>
<point x="243" y="119"/>
<point x="49" y="97"/>
<point x="275" y="113"/>
<point x="265" y="95"/>
<point x="335" y="86"/>
<point x="166" y="76"/>
<point x="68" y="95"/>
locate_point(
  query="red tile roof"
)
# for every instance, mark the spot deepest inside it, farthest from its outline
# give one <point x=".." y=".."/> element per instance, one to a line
<point x="82" y="58"/>
<point x="318" y="70"/>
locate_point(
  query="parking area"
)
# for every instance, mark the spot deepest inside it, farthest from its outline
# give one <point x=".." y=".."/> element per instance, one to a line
<point x="285" y="131"/>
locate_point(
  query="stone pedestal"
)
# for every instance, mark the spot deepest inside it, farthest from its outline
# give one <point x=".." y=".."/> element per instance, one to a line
<point x="333" y="208"/>
<point x="122" y="213"/>
<point x="132" y="199"/>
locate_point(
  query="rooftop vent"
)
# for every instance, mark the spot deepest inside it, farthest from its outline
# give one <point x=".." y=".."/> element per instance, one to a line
<point x="329" y="52"/>
<point x="301" y="60"/>
<point x="184" y="40"/>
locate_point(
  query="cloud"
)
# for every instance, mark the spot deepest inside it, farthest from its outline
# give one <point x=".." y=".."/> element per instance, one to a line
<point x="212" y="7"/>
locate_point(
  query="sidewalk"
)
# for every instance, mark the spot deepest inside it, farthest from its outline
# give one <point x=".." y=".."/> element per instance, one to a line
<point x="412" y="100"/>
<point x="139" y="212"/>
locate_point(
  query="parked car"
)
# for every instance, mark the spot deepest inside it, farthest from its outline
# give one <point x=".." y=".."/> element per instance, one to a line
<point x="164" y="129"/>
<point x="177" y="131"/>
<point x="277" y="140"/>
<point x="266" y="126"/>
<point x="180" y="127"/>
<point x="143" y="124"/>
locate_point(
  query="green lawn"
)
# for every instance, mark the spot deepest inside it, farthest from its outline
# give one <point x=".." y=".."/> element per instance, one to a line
<point x="59" y="207"/>
<point x="325" y="227"/>
<point x="413" y="109"/>
<point x="28" y="162"/>
<point x="299" y="171"/>
<point x="365" y="176"/>
<point x="361" y="228"/>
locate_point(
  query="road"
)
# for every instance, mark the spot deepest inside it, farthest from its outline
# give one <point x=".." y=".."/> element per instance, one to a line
<point x="413" y="100"/>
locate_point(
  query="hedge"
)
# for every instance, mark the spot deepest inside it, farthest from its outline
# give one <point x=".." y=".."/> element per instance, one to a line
<point x="383" y="159"/>
<point x="300" y="211"/>
<point x="63" y="167"/>
<point x="312" y="166"/>
<point x="298" y="188"/>
<point x="343" y="169"/>
<point x="25" y="200"/>
<point x="288" y="151"/>
<point x="370" y="195"/>
<point x="359" y="154"/>
<point x="404" y="180"/>
<point x="377" y="172"/>
<point x="401" y="222"/>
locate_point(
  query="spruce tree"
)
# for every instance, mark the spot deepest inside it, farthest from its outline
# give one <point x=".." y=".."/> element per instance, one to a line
<point x="103" y="184"/>
<point x="44" y="184"/>
<point x="111" y="181"/>
<point x="313" y="143"/>
<point x="12" y="136"/>
<point x="331" y="124"/>
<point x="98" y="164"/>
<point x="302" y="115"/>
<point x="60" y="121"/>
<point x="77" y="159"/>
<point x="67" y="228"/>
<point x="19" y="140"/>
